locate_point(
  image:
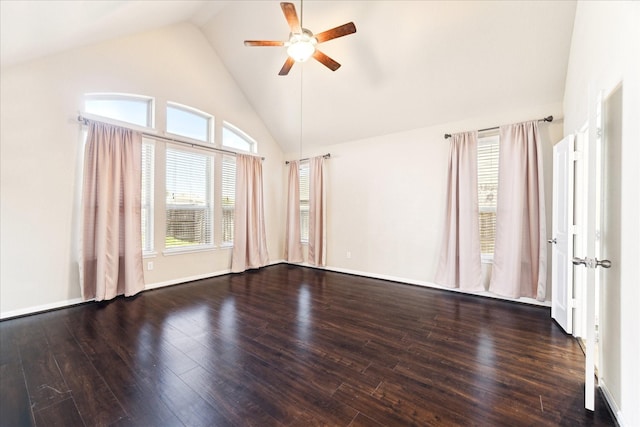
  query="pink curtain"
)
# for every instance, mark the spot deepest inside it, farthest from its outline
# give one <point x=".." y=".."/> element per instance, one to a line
<point x="292" y="245"/>
<point x="249" y="237"/>
<point x="520" y="258"/>
<point x="459" y="265"/>
<point x="317" y="213"/>
<point x="112" y="238"/>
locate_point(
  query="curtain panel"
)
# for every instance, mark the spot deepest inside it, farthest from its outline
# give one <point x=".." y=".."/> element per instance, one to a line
<point x="520" y="257"/>
<point x="459" y="265"/>
<point x="292" y="244"/>
<point x="317" y="212"/>
<point x="249" y="237"/>
<point x="112" y="239"/>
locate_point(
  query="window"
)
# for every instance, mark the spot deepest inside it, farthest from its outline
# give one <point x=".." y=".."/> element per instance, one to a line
<point x="228" y="198"/>
<point x="304" y="202"/>
<point x="134" y="109"/>
<point x="234" y="138"/>
<point x="488" y="154"/>
<point x="199" y="185"/>
<point x="189" y="182"/>
<point x="137" y="110"/>
<point x="148" y="176"/>
<point x="189" y="122"/>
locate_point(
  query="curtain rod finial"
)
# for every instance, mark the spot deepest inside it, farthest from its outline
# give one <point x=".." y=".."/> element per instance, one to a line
<point x="447" y="135"/>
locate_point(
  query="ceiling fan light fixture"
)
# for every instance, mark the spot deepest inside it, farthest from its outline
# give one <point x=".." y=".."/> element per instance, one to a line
<point x="301" y="46"/>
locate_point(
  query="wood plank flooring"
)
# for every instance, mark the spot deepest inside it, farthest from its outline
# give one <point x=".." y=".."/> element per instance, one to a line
<point x="290" y="345"/>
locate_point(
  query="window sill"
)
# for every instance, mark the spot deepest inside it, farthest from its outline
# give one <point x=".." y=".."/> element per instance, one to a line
<point x="149" y="254"/>
<point x="486" y="259"/>
<point x="180" y="251"/>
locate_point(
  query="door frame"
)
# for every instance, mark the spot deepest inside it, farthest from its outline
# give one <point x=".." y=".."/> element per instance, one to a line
<point x="563" y="230"/>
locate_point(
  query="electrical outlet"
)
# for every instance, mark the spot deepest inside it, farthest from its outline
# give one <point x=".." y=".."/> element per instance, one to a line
<point x="150" y="265"/>
<point x="348" y="254"/>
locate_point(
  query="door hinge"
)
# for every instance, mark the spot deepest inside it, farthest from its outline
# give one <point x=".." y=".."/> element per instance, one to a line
<point x="576" y="155"/>
<point x="574" y="303"/>
<point x="574" y="229"/>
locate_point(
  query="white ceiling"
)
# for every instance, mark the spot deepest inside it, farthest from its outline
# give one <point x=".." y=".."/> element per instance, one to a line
<point x="410" y="64"/>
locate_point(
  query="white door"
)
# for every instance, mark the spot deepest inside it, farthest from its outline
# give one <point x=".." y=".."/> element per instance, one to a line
<point x="602" y="295"/>
<point x="608" y="247"/>
<point x="562" y="234"/>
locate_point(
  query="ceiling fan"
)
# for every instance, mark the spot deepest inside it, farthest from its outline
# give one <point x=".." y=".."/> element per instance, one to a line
<point x="302" y="42"/>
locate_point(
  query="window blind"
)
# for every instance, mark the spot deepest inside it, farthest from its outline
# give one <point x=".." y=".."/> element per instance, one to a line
<point x="189" y="182"/>
<point x="488" y="155"/>
<point x="228" y="197"/>
<point x="304" y="202"/>
<point x="148" y="160"/>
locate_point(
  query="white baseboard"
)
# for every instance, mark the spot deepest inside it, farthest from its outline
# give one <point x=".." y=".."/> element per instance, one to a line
<point x="426" y="284"/>
<point x="185" y="280"/>
<point x="615" y="410"/>
<point x="197" y="277"/>
<point x="40" y="308"/>
<point x="68" y="303"/>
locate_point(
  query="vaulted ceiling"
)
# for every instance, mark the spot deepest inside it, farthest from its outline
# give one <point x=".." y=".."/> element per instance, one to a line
<point x="410" y="64"/>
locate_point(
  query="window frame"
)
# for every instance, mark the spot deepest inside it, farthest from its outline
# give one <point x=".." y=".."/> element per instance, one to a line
<point x="210" y="119"/>
<point x="115" y="96"/>
<point x="156" y="226"/>
<point x="489" y="139"/>
<point x="221" y="160"/>
<point x="304" y="207"/>
<point x="253" y="145"/>
<point x="210" y="183"/>
<point x="149" y="251"/>
<point x="150" y="232"/>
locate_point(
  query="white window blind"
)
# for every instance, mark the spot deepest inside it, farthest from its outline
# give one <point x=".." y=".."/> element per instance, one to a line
<point x="488" y="154"/>
<point x="148" y="159"/>
<point x="228" y="198"/>
<point x="189" y="208"/>
<point x="304" y="202"/>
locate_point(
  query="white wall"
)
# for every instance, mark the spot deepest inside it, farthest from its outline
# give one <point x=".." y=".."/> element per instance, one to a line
<point x="41" y="155"/>
<point x="386" y="196"/>
<point x="605" y="51"/>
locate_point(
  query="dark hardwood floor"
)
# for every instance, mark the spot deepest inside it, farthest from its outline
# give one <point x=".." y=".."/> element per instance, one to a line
<point x="293" y="346"/>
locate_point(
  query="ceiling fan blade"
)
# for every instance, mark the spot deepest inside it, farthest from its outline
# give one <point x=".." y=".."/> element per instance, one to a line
<point x="334" y="33"/>
<point x="263" y="43"/>
<point x="324" y="59"/>
<point x="287" y="66"/>
<point x="290" y="14"/>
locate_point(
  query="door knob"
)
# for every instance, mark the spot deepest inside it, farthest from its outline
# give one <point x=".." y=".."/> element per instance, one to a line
<point x="553" y="241"/>
<point x="591" y="262"/>
<point x="579" y="261"/>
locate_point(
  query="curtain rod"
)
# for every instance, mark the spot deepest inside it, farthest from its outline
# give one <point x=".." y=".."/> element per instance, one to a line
<point x="546" y="119"/>
<point x="85" y="121"/>
<point x="326" y="156"/>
